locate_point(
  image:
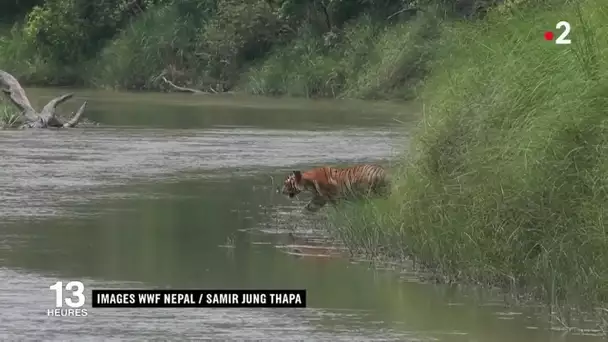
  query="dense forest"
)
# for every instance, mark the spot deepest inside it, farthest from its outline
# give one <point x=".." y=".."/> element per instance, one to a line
<point x="506" y="178"/>
<point x="363" y="48"/>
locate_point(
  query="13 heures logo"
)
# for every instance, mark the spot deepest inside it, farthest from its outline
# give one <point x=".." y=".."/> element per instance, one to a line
<point x="75" y="302"/>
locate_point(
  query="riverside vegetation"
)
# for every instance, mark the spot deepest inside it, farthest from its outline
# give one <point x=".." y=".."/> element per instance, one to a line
<point x="505" y="182"/>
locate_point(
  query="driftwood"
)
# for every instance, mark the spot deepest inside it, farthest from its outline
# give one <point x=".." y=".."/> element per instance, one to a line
<point x="182" y="89"/>
<point x="186" y="89"/>
<point x="29" y="117"/>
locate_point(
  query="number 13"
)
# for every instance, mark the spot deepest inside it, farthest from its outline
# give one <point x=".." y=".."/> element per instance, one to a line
<point x="78" y="292"/>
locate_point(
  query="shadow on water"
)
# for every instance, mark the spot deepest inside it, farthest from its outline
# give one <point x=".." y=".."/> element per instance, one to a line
<point x="195" y="208"/>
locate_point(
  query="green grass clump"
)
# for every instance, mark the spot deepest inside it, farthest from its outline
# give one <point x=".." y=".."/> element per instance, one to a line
<point x="506" y="180"/>
<point x="159" y="39"/>
<point x="8" y="117"/>
<point x="396" y="63"/>
<point x="365" y="60"/>
<point x="300" y="69"/>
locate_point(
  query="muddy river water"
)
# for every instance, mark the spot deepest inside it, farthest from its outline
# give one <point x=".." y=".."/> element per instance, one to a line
<point x="175" y="191"/>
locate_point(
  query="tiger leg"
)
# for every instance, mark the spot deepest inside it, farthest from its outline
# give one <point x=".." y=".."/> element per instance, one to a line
<point x="376" y="188"/>
<point x="382" y="189"/>
<point x="315" y="204"/>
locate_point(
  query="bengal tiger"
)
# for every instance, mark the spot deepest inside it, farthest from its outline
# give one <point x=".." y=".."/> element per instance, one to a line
<point x="329" y="184"/>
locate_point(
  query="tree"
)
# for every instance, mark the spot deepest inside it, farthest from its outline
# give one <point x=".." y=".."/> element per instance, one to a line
<point x="28" y="116"/>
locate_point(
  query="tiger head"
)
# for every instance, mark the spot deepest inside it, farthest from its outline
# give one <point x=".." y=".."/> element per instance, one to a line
<point x="292" y="184"/>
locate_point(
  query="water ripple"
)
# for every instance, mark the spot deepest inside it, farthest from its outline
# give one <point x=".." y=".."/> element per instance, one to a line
<point x="41" y="169"/>
<point x="172" y="324"/>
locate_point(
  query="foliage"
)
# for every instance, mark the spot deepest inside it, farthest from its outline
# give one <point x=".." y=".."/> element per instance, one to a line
<point x="68" y="30"/>
<point x="505" y="182"/>
<point x="160" y="39"/>
<point x="8" y="117"/>
<point x="365" y="62"/>
<point x="208" y="44"/>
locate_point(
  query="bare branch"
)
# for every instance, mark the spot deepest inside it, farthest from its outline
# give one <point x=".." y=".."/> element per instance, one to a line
<point x="12" y="88"/>
<point x="182" y="89"/>
<point x="74" y="120"/>
<point x="49" y="109"/>
<point x="14" y="100"/>
<point x="29" y="116"/>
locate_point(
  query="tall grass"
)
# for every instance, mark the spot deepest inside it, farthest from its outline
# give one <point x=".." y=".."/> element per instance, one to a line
<point x="365" y="60"/>
<point x="159" y="39"/>
<point x="8" y="116"/>
<point x="301" y="69"/>
<point x="506" y="181"/>
<point x="396" y="63"/>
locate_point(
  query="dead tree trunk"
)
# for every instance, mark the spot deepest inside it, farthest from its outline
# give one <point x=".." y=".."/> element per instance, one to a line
<point x="29" y="117"/>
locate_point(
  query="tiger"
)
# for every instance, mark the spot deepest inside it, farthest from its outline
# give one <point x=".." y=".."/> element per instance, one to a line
<point x="330" y="184"/>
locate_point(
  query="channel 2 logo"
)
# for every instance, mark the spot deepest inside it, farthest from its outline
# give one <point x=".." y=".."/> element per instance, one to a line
<point x="562" y="38"/>
<point x="75" y="302"/>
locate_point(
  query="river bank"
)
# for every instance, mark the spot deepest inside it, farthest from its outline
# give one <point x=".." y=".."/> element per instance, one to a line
<point x="258" y="48"/>
<point x="505" y="182"/>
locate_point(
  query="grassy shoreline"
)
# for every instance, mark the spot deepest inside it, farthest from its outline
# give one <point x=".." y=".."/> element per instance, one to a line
<point x="506" y="181"/>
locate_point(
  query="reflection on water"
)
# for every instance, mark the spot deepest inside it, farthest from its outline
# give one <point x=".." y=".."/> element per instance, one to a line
<point x="140" y="207"/>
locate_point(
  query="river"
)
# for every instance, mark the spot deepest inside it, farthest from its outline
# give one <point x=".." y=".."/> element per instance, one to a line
<point x="178" y="191"/>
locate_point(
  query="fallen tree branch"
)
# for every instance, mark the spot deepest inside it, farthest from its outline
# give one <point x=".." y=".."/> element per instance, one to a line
<point x="28" y="116"/>
<point x="182" y="89"/>
<point x="189" y="90"/>
<point x="76" y="118"/>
